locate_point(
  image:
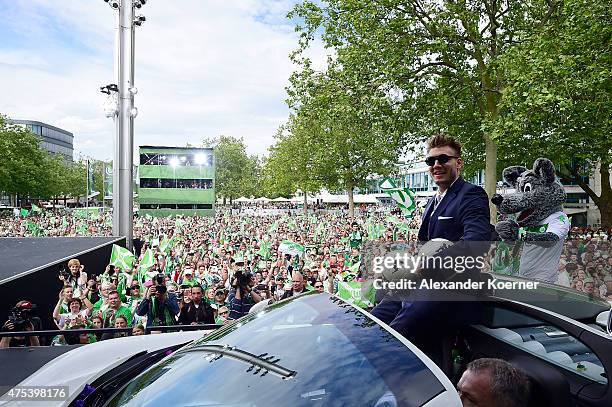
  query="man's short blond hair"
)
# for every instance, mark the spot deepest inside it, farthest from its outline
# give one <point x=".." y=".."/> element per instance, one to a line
<point x="443" y="140"/>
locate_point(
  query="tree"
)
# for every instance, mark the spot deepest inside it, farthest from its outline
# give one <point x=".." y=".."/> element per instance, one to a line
<point x="232" y="165"/>
<point x="558" y="102"/>
<point x="251" y="177"/>
<point x="293" y="161"/>
<point x="22" y="169"/>
<point x="345" y="126"/>
<point x="413" y="49"/>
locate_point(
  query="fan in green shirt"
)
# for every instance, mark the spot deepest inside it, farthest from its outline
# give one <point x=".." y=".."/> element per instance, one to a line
<point x="355" y="237"/>
<point x="115" y="309"/>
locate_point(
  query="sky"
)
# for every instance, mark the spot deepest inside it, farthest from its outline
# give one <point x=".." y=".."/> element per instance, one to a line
<point x="204" y="68"/>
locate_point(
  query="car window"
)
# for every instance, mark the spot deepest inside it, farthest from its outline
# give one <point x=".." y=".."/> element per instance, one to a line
<point x="555" y="346"/>
<point x="340" y="358"/>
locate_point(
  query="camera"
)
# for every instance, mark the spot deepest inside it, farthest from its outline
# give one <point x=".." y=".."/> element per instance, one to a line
<point x="65" y="274"/>
<point x="20" y="316"/>
<point x="243" y="278"/>
<point x="160" y="279"/>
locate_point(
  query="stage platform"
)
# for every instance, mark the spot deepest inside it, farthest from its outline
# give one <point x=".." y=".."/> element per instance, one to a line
<point x="29" y="269"/>
<point x="20" y="256"/>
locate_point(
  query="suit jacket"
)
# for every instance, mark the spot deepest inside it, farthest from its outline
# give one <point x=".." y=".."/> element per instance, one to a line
<point x="463" y="214"/>
<point x="203" y="314"/>
<point x="463" y="218"/>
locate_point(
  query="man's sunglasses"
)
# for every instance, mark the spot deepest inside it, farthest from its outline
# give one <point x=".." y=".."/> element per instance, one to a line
<point x="318" y="286"/>
<point x="442" y="159"/>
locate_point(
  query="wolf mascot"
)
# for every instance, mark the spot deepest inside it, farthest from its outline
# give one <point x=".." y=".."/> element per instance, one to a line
<point x="540" y="223"/>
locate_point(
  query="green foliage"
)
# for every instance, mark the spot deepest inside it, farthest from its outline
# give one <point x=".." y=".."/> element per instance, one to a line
<point x="293" y="162"/>
<point x="22" y="168"/>
<point x="558" y="102"/>
<point x="237" y="174"/>
<point x="28" y="170"/>
<point x="559" y="97"/>
<point x="438" y="62"/>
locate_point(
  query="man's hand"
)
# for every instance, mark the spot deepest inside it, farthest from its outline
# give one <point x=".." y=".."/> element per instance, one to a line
<point x="151" y="291"/>
<point x="8" y="326"/>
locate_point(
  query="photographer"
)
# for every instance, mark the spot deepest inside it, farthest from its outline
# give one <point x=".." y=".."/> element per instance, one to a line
<point x="196" y="311"/>
<point x="241" y="296"/>
<point x="20" y="319"/>
<point x="159" y="306"/>
<point x="76" y="277"/>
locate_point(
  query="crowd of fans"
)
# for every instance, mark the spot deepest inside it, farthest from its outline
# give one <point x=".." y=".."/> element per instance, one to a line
<point x="210" y="270"/>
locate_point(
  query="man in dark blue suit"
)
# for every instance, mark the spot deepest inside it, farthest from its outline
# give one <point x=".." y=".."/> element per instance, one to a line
<point x="459" y="212"/>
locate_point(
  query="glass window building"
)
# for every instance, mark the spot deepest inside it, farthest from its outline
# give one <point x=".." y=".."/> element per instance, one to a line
<point x="53" y="139"/>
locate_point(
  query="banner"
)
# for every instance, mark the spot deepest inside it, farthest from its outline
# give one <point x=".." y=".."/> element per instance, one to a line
<point x="107" y="180"/>
<point x="292" y="248"/>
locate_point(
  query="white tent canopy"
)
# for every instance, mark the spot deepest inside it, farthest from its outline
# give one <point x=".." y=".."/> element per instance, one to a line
<point x="262" y="199"/>
<point x="343" y="199"/>
<point x="281" y="199"/>
<point x="242" y="199"/>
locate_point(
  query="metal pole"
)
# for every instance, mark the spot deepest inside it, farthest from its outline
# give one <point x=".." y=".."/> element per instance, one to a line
<point x="116" y="143"/>
<point x="123" y="205"/>
<point x="87" y="185"/>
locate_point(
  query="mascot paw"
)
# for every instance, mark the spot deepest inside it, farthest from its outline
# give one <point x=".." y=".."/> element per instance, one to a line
<point x="508" y="230"/>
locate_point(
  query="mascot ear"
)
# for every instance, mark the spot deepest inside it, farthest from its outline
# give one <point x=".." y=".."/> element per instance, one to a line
<point x="544" y="168"/>
<point x="511" y="174"/>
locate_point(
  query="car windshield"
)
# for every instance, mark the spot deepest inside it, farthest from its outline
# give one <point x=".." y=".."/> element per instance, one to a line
<point x="337" y="356"/>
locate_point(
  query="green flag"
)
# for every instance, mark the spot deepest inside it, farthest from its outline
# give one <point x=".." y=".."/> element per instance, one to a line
<point x="36" y="209"/>
<point x="80" y="213"/>
<point x="23" y="212"/>
<point x="121" y="257"/>
<point x="166" y="244"/>
<point x="264" y="250"/>
<point x="319" y="229"/>
<point x="34" y="228"/>
<point x="179" y="223"/>
<point x="404" y="197"/>
<point x="82" y="229"/>
<point x="273" y="226"/>
<point x="353" y="292"/>
<point x="148" y="261"/>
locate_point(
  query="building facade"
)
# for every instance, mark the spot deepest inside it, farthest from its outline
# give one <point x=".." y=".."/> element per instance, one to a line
<point x="53" y="139"/>
<point x="176" y="180"/>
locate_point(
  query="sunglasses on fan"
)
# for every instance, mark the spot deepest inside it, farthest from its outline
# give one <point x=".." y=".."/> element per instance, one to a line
<point x="442" y="159"/>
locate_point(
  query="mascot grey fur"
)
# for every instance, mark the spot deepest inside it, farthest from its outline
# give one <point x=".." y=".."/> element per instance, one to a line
<point x="541" y="222"/>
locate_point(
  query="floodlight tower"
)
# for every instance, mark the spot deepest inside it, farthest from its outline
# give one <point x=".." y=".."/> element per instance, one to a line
<point x="123" y="188"/>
